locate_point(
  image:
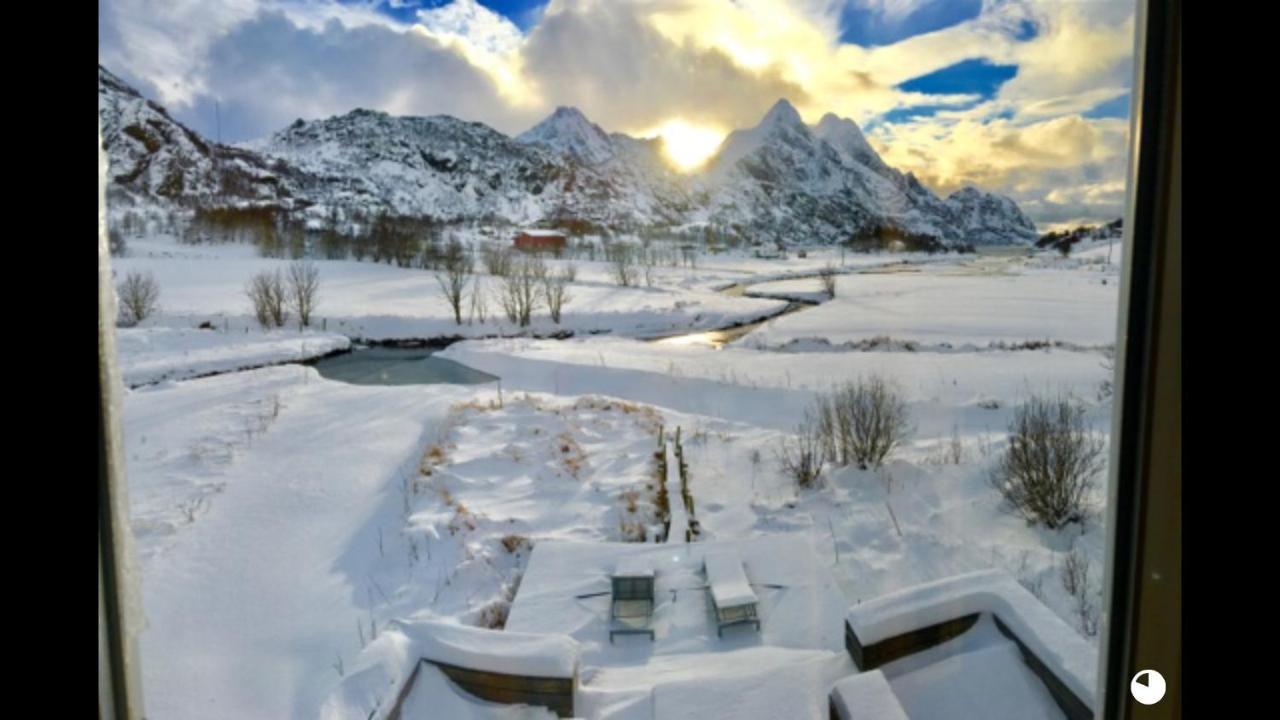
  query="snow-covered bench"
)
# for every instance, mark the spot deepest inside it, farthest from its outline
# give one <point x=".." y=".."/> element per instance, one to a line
<point x="631" y="608"/>
<point x="498" y="666"/>
<point x="865" y="696"/>
<point x="908" y="621"/>
<point x="732" y="599"/>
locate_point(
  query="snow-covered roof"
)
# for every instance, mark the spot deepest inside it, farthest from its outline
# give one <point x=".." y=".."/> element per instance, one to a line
<point x="867" y="695"/>
<point x="728" y="581"/>
<point x="633" y="566"/>
<point x="542" y="233"/>
<point x="1068" y="655"/>
<point x="497" y="651"/>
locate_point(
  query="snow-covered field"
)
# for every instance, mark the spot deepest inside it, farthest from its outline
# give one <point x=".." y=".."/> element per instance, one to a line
<point x="965" y="305"/>
<point x="374" y="301"/>
<point x="284" y="520"/>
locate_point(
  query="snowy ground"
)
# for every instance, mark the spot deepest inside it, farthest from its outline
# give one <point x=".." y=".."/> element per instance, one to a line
<point x="256" y="500"/>
<point x="153" y="354"/>
<point x="283" y="519"/>
<point x="950" y="306"/>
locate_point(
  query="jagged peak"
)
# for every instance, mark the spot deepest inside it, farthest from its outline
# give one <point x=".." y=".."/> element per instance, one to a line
<point x="965" y="192"/>
<point x="568" y="130"/>
<point x="782" y="113"/>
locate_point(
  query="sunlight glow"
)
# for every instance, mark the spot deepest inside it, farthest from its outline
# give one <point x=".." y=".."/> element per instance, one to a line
<point x="688" y="146"/>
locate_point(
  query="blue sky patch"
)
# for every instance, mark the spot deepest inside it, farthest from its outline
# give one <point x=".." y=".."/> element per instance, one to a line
<point x="967" y="77"/>
<point x="868" y="28"/>
<point x="524" y="13"/>
<point x="1025" y="31"/>
<point x="1117" y="107"/>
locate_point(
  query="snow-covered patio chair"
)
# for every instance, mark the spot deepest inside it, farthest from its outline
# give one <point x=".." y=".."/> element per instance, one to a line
<point x="732" y="599"/>
<point x="631" y="608"/>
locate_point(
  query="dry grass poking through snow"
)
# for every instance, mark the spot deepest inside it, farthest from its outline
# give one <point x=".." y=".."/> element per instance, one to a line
<point x="496" y="480"/>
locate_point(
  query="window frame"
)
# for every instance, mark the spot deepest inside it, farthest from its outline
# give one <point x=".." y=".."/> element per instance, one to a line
<point x="1142" y="590"/>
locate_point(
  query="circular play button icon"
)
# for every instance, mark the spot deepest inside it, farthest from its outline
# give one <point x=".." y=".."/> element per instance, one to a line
<point x="1147" y="687"/>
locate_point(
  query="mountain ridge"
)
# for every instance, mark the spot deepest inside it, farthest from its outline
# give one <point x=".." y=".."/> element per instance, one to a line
<point x="780" y="180"/>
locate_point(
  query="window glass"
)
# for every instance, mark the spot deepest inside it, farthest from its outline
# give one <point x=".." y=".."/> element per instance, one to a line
<point x="445" y="326"/>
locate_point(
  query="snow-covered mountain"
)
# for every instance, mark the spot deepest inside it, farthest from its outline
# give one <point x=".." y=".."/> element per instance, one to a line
<point x="568" y="132"/>
<point x="153" y="156"/>
<point x="987" y="218"/>
<point x="825" y="182"/>
<point x="780" y="180"/>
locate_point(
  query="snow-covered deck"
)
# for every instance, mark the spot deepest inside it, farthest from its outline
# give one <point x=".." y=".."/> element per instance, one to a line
<point x="565" y="590"/>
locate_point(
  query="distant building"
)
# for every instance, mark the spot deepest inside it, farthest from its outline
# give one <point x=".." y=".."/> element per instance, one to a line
<point x="541" y="240"/>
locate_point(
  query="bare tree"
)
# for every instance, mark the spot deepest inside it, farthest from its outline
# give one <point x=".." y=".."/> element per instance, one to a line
<point x="827" y="276"/>
<point x="1049" y="467"/>
<point x="518" y="292"/>
<point x="453" y="278"/>
<point x="266" y="291"/>
<point x="649" y="260"/>
<point x="497" y="260"/>
<point x="304" y="283"/>
<point x="139" y="295"/>
<point x="555" y="290"/>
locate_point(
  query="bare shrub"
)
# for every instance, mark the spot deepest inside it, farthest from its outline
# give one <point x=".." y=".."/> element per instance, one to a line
<point x="518" y="290"/>
<point x="304" y="284"/>
<point x="1048" y="469"/>
<point x="515" y="543"/>
<point x="266" y="292"/>
<point x="1075" y="572"/>
<point x="949" y="452"/>
<point x="800" y="456"/>
<point x="827" y="276"/>
<point x="622" y="263"/>
<point x="1075" y="580"/>
<point x="555" y="290"/>
<point x="139" y="296"/>
<point x="861" y="422"/>
<point x="454" y="276"/>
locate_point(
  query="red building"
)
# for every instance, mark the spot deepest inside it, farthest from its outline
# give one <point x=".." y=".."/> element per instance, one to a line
<point x="539" y="240"/>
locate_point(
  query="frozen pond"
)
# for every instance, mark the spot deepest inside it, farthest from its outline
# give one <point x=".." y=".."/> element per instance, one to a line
<point x="398" y="366"/>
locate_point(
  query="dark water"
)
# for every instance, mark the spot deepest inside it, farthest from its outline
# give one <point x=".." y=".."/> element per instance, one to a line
<point x="398" y="366"/>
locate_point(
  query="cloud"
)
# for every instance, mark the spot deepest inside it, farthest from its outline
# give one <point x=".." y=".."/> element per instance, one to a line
<point x="629" y="75"/>
<point x="1066" y="168"/>
<point x="269" y="71"/>
<point x="633" y="65"/>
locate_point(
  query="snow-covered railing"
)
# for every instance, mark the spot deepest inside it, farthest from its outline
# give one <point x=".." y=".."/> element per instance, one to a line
<point x="865" y="696"/>
<point x="498" y="666"/>
<point x="908" y="621"/>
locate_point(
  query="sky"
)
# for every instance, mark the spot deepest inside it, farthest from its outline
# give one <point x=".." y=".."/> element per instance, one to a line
<point x="1029" y="98"/>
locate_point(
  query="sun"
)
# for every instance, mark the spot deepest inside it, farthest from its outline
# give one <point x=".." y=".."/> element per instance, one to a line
<point x="688" y="146"/>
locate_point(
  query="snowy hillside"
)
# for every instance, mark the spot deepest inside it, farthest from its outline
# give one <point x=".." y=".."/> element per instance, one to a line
<point x="154" y="157"/>
<point x="781" y="180"/>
